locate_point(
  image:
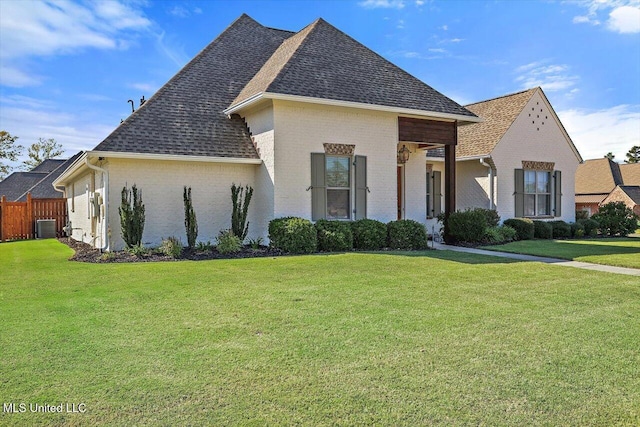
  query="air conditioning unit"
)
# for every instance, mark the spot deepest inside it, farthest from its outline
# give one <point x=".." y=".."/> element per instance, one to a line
<point x="46" y="228"/>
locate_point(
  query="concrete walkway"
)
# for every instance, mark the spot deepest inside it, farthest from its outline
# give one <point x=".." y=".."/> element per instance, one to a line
<point x="555" y="261"/>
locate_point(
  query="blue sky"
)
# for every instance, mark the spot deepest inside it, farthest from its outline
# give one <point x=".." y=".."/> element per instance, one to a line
<point x="67" y="68"/>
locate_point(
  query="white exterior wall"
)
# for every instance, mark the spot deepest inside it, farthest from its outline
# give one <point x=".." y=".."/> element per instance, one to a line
<point x="162" y="185"/>
<point x="301" y="129"/>
<point x="260" y="124"/>
<point x="85" y="227"/>
<point x="526" y="140"/>
<point x="415" y="188"/>
<point x="472" y="185"/>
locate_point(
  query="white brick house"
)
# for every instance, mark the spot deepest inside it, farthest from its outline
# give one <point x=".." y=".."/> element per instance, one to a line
<point x="519" y="160"/>
<point x="312" y="120"/>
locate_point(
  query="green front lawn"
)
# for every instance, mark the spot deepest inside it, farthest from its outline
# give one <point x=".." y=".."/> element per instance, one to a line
<point x="429" y="338"/>
<point x="621" y="252"/>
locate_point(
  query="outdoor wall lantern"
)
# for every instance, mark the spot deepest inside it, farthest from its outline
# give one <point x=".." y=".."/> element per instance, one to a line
<point x="403" y="154"/>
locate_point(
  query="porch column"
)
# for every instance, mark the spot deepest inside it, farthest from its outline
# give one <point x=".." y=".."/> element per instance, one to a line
<point x="449" y="184"/>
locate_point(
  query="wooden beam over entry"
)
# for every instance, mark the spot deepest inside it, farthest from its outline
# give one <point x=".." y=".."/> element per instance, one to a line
<point x="426" y="131"/>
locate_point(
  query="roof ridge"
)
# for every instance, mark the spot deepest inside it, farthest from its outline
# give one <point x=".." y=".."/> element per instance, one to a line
<point x="504" y="96"/>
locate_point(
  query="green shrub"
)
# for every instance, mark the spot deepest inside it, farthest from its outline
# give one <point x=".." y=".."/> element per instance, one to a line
<point x="228" y="243"/>
<point x="138" y="250"/>
<point x="190" y="221"/>
<point x="590" y="226"/>
<point x="561" y="230"/>
<point x="334" y="236"/>
<point x="509" y="233"/>
<point x="256" y="243"/>
<point x="542" y="230"/>
<point x="131" y="212"/>
<point x="171" y="246"/>
<point x="491" y="216"/>
<point x="493" y="236"/>
<point x="524" y="227"/>
<point x="108" y="256"/>
<point x="582" y="214"/>
<point x="240" y="199"/>
<point x="294" y="235"/>
<point x="616" y="218"/>
<point x="204" y="246"/>
<point x="369" y="234"/>
<point x="406" y="234"/>
<point x="577" y="230"/>
<point x="468" y="226"/>
<point x="499" y="234"/>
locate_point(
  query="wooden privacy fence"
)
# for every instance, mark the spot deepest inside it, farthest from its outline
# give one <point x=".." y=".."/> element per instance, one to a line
<point x="18" y="219"/>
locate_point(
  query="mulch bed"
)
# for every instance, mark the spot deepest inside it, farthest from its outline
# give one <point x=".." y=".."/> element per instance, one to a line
<point x="86" y="253"/>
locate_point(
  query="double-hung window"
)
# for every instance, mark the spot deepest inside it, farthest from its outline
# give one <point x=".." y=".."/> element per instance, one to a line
<point x="537" y="193"/>
<point x="338" y="178"/>
<point x="338" y="186"/>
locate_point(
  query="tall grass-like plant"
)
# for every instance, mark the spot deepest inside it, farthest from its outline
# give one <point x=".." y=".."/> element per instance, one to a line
<point x="131" y="216"/>
<point x="240" y="198"/>
<point x="190" y="221"/>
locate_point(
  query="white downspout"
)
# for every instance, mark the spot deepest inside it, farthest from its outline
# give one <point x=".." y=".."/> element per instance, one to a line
<point x="492" y="205"/>
<point x="105" y="174"/>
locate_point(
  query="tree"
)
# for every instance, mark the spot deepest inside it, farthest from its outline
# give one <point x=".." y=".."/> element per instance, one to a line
<point x="610" y="156"/>
<point x="9" y="150"/>
<point x="42" y="150"/>
<point x="633" y="156"/>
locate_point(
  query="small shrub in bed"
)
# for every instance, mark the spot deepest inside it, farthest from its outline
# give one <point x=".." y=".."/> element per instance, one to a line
<point x="293" y="235"/>
<point x="491" y="216"/>
<point x="523" y="226"/>
<point x="590" y="226"/>
<point x="334" y="236"/>
<point x="468" y="226"/>
<point x="577" y="230"/>
<point x="171" y="246"/>
<point x="406" y="234"/>
<point x="228" y="243"/>
<point x="542" y="230"/>
<point x="369" y="234"/>
<point x="561" y="230"/>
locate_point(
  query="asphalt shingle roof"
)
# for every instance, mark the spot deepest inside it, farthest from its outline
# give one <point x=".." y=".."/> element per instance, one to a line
<point x="16" y="184"/>
<point x="597" y="176"/>
<point x="630" y="173"/>
<point x="633" y="191"/>
<point x="185" y="117"/>
<point x="48" y="165"/>
<point x="321" y="61"/>
<point x="479" y="139"/>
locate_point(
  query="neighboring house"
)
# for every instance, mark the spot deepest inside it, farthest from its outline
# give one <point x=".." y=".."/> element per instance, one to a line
<point x="38" y="181"/>
<point x="600" y="181"/>
<point x="312" y="120"/>
<point x="519" y="160"/>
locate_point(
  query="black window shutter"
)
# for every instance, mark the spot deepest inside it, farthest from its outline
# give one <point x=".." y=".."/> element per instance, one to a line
<point x="557" y="193"/>
<point x="519" y="192"/>
<point x="361" y="187"/>
<point x="437" y="193"/>
<point x="318" y="187"/>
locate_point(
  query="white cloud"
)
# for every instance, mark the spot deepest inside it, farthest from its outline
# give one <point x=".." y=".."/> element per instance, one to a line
<point x="597" y="132"/>
<point x="419" y="2"/>
<point x="551" y="78"/>
<point x="179" y="11"/>
<point x="400" y="25"/>
<point x="45" y="28"/>
<point x="436" y="50"/>
<point x="444" y="27"/>
<point x="623" y="16"/>
<point x="197" y="11"/>
<point x="625" y="19"/>
<point x="382" y="4"/>
<point x="145" y="87"/>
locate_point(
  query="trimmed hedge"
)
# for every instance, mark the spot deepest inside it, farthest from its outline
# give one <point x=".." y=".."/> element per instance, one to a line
<point x="542" y="230"/>
<point x="406" y="234"/>
<point x="369" y="234"/>
<point x="293" y="235"/>
<point x="490" y="215"/>
<point x="334" y="236"/>
<point x="561" y="230"/>
<point x="590" y="226"/>
<point x="577" y="230"/>
<point x="468" y="226"/>
<point x="524" y="227"/>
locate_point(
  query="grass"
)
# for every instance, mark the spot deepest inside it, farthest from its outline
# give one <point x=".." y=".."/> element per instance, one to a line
<point x="620" y="252"/>
<point x="430" y="338"/>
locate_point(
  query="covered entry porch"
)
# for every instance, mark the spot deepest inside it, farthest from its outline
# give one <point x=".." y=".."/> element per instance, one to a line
<point x="425" y="190"/>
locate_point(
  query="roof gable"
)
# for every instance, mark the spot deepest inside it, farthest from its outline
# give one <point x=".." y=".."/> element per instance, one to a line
<point x="322" y="62"/>
<point x="185" y="117"/>
<point x="479" y="139"/>
<point x="48" y="165"/>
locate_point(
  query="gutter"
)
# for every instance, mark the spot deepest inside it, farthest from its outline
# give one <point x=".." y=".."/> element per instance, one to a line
<point x="105" y="173"/>
<point x="483" y="163"/>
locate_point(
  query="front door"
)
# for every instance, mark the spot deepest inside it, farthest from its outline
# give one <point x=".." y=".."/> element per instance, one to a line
<point x="400" y="185"/>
